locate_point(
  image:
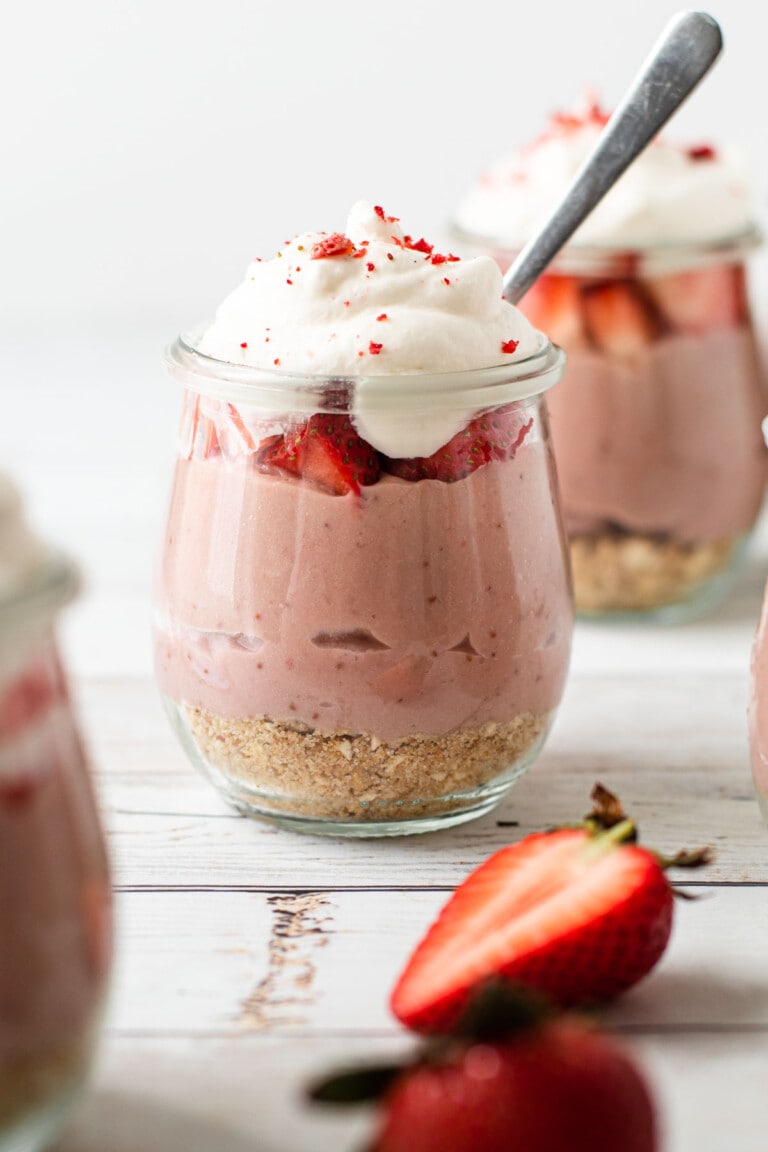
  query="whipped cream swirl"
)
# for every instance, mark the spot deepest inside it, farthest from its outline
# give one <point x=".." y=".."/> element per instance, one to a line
<point x="670" y="194"/>
<point x="370" y="301"/>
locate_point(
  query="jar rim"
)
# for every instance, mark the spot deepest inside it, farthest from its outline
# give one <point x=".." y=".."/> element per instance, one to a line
<point x="273" y="387"/>
<point x="37" y="601"/>
<point x="616" y="260"/>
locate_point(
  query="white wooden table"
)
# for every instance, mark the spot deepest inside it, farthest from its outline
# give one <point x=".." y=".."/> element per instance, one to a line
<point x="251" y="958"/>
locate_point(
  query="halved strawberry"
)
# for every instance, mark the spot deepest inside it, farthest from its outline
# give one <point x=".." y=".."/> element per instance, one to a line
<point x="579" y="914"/>
<point x="620" y="318"/>
<point x="553" y="305"/>
<point x="494" y="435"/>
<point x="701" y="299"/>
<point x="326" y="450"/>
<point x="533" y="1083"/>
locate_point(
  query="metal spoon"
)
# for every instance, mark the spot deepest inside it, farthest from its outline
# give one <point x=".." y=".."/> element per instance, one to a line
<point x="686" y="50"/>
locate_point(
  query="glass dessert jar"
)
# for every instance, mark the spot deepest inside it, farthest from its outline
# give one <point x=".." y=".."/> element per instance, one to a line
<point x="55" y="920"/>
<point x="374" y="658"/>
<point x="657" y="439"/>
<point x="657" y="432"/>
<point x="758" y="710"/>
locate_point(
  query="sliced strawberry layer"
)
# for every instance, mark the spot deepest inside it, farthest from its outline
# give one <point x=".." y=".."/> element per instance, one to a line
<point x="554" y="912"/>
<point x="495" y="435"/>
<point x="620" y="318"/>
<point x="565" y="1088"/>
<point x="326" y="450"/>
<point x="553" y="305"/>
<point x="701" y="300"/>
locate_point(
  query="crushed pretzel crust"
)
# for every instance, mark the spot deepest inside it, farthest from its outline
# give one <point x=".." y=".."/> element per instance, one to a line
<point x="623" y="572"/>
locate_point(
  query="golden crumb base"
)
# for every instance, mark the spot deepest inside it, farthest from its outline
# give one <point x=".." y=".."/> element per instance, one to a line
<point x="622" y="572"/>
<point x="299" y="771"/>
<point x="32" y="1082"/>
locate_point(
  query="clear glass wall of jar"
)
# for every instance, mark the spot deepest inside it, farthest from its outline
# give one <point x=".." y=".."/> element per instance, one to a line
<point x="371" y="663"/>
<point x="758" y="711"/>
<point x="656" y="430"/>
<point x="55" y="901"/>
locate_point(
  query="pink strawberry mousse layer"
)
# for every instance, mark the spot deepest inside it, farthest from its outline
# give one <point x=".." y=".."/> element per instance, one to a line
<point x="670" y="443"/>
<point x="451" y="607"/>
<point x="54" y="885"/>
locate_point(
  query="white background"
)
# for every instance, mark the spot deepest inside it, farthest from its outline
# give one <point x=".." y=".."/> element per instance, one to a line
<point x="151" y="148"/>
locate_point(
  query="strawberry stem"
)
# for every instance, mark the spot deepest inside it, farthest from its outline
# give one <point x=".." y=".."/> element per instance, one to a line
<point x="602" y="840"/>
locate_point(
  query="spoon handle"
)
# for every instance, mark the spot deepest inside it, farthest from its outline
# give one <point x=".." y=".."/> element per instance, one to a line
<point x="686" y="50"/>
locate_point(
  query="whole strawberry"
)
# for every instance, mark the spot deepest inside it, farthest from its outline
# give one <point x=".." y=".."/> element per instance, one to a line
<point x="521" y="1083"/>
<point x="579" y="914"/>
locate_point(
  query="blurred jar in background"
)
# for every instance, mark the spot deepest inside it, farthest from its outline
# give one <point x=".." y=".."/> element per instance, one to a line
<point x="656" y="428"/>
<point x="55" y="903"/>
<point x="758" y="704"/>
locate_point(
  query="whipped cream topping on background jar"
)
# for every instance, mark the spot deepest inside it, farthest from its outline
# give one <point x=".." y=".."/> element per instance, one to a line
<point x="55" y="897"/>
<point x="363" y="607"/>
<point x="657" y="428"/>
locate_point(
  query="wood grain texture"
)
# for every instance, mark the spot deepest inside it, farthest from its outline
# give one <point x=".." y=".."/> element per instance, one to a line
<point x="247" y="1094"/>
<point x="675" y="749"/>
<point x="233" y="963"/>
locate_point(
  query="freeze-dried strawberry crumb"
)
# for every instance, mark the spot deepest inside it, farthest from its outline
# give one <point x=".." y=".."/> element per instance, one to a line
<point x="374" y="348"/>
<point x="422" y="246"/>
<point x="446" y="280"/>
<point x="439" y="258"/>
<point x="370" y="266"/>
<point x="701" y="152"/>
<point x="390" y="256"/>
<point x="277" y="360"/>
<point x="337" y="244"/>
<point x="383" y="216"/>
<point x="289" y="281"/>
<point x="509" y="346"/>
<point x="383" y="316"/>
<point x="244" y="344"/>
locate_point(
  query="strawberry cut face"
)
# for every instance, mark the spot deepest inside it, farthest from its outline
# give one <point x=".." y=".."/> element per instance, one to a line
<point x="554" y="912"/>
<point x="494" y="435"/>
<point x="702" y="300"/>
<point x="553" y="304"/>
<point x="325" y="450"/>
<point x="621" y="318"/>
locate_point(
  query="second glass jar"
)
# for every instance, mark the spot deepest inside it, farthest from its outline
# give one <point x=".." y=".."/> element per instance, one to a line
<point x="656" y="430"/>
